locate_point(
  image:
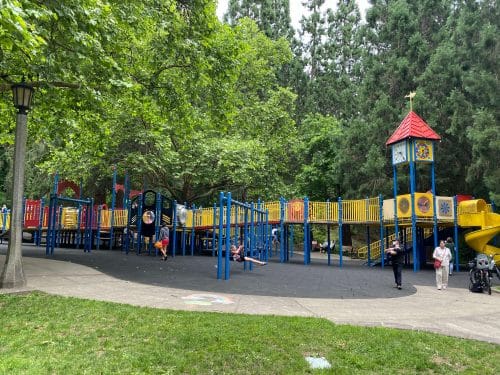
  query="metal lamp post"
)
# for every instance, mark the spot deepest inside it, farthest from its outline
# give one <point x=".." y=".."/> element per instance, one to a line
<point x="13" y="274"/>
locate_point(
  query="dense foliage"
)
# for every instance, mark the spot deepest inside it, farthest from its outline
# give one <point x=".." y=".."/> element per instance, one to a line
<point x="187" y="104"/>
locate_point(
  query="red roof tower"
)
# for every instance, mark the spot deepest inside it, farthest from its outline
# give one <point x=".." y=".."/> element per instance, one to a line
<point x="412" y="126"/>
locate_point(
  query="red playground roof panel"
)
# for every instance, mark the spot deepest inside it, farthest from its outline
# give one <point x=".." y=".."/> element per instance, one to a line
<point x="412" y="126"/>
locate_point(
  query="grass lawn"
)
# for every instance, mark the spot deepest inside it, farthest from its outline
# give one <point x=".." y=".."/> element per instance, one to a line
<point x="42" y="334"/>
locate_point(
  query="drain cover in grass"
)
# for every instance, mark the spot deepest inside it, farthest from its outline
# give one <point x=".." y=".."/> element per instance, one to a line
<point x="318" y="362"/>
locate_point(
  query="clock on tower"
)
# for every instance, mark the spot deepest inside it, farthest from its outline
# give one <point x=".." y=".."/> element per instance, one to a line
<point x="399" y="153"/>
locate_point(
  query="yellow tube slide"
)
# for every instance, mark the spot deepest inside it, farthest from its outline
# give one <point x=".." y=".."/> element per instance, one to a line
<point x="475" y="213"/>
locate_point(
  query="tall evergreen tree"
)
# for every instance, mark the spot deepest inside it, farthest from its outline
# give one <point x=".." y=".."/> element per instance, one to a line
<point x="312" y="35"/>
<point x="337" y="87"/>
<point x="272" y="16"/>
<point x="461" y="90"/>
<point x="400" y="38"/>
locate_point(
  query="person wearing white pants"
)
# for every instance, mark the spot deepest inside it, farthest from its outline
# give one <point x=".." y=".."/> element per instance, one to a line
<point x="443" y="254"/>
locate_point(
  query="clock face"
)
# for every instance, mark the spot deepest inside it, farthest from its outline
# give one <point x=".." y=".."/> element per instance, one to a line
<point x="423" y="150"/>
<point x="399" y="154"/>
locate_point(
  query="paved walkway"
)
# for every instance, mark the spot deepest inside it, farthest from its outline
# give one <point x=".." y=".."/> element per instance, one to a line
<point x="354" y="294"/>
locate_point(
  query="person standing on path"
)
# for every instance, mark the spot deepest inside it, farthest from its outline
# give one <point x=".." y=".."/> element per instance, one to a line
<point x="397" y="258"/>
<point x="443" y="254"/>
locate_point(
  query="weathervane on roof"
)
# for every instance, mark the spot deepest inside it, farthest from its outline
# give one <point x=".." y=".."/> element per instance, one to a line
<point x="411" y="95"/>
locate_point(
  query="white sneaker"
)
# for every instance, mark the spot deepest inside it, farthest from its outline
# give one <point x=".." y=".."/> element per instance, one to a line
<point x="444" y="286"/>
<point x="439" y="288"/>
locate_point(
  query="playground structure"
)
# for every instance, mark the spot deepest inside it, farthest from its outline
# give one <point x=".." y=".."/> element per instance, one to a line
<point x="70" y="223"/>
<point x="412" y="217"/>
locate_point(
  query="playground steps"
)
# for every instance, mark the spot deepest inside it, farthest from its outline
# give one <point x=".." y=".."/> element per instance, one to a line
<point x="375" y="247"/>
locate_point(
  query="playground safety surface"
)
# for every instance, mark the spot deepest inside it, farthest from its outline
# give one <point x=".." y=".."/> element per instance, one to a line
<point x="354" y="294"/>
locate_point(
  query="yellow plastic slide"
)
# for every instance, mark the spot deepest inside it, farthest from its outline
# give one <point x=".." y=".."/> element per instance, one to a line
<point x="476" y="213"/>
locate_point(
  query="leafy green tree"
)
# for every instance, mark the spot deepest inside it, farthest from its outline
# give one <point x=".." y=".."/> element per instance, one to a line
<point x="321" y="175"/>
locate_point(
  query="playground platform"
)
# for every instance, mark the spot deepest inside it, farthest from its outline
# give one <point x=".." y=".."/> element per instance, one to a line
<point x="353" y="294"/>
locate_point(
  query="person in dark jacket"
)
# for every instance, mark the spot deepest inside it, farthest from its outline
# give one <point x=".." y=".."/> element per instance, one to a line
<point x="397" y="259"/>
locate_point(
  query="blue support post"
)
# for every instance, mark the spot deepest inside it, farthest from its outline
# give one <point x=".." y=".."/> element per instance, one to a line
<point x="246" y="234"/>
<point x="78" y="228"/>
<point x="413" y="214"/>
<point x="139" y="224"/>
<point x="88" y="229"/>
<point x="183" y="237"/>
<point x="113" y="203"/>
<point x="193" y="208"/>
<point x="221" y="228"/>
<point x="59" y="227"/>
<point x="282" y="227"/>
<point x="40" y="223"/>
<point x="126" y="193"/>
<point x="268" y="231"/>
<point x="127" y="235"/>
<point x="236" y="239"/>
<point x="455" y="222"/>
<point x="56" y="183"/>
<point x="258" y="244"/>
<point x="53" y="221"/>
<point x="183" y="240"/>
<point x="174" y="228"/>
<point x="214" y="229"/>
<point x="252" y="233"/>
<point x="306" y="230"/>
<point x="395" y="187"/>
<point x="158" y="205"/>
<point x="368" y="245"/>
<point x="341" y="250"/>
<point x="328" y="231"/>
<point x="434" y="211"/>
<point x="98" y="239"/>
<point x="228" y="236"/>
<point x="381" y="216"/>
<point x="48" y="237"/>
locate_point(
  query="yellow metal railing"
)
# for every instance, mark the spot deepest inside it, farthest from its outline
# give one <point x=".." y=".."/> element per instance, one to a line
<point x="119" y="220"/>
<point x="353" y="211"/>
<point x="361" y="211"/>
<point x="274" y="210"/>
<point x="69" y="218"/>
<point x="4" y="221"/>
<point x="375" y="247"/>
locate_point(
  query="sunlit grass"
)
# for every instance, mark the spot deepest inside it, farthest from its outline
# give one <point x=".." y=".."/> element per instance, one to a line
<point x="42" y="334"/>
